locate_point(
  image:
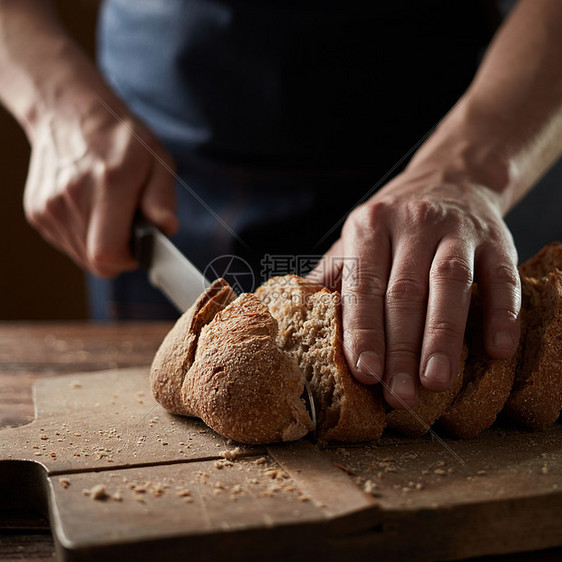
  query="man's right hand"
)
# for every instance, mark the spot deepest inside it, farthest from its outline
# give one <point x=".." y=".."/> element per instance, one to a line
<point x="90" y="171"/>
<point x="93" y="165"/>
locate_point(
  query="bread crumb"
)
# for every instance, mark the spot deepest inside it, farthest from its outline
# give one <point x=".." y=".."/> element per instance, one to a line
<point x="64" y="482"/>
<point x="544" y="469"/>
<point x="230" y="454"/>
<point x="183" y="493"/>
<point x="439" y="471"/>
<point x="75" y="384"/>
<point x="97" y="492"/>
<point x="276" y="473"/>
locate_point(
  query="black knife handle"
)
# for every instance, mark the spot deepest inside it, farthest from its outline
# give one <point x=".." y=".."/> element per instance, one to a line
<point x="142" y="241"/>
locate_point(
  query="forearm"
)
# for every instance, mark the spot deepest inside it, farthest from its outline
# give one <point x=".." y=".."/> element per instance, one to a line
<point x="41" y="67"/>
<point x="506" y="131"/>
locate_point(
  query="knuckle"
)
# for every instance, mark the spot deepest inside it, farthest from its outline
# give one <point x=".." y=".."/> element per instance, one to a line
<point x="103" y="259"/>
<point x="33" y="212"/>
<point x="455" y="269"/>
<point x="405" y="288"/>
<point x="358" y="337"/>
<point x="368" y="217"/>
<point x="404" y="353"/>
<point x="506" y="274"/>
<point x="421" y="212"/>
<point x="499" y="314"/>
<point x="366" y="283"/>
<point x="444" y="329"/>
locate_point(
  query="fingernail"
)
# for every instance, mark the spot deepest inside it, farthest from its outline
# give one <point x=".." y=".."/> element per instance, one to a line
<point x="503" y="340"/>
<point x="403" y="386"/>
<point x="438" y="369"/>
<point x="369" y="364"/>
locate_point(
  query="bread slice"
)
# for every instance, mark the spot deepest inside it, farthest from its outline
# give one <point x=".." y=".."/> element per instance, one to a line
<point x="176" y="353"/>
<point x="536" y="397"/>
<point x="486" y="383"/>
<point x="310" y="331"/>
<point x="545" y="261"/>
<point x="430" y="406"/>
<point x="240" y="383"/>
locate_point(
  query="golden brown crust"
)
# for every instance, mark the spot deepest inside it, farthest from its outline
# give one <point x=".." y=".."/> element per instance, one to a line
<point x="486" y="387"/>
<point x="417" y="421"/>
<point x="240" y="384"/>
<point x="536" y="398"/>
<point x="176" y="353"/>
<point x="545" y="261"/>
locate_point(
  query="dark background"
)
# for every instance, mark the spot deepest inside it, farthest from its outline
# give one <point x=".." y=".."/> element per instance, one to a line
<point x="38" y="283"/>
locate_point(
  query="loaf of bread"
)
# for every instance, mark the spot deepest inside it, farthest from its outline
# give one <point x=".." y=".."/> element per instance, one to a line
<point x="430" y="407"/>
<point x="486" y="383"/>
<point x="240" y="383"/>
<point x="536" y="397"/>
<point x="310" y="330"/>
<point x="240" y="364"/>
<point x="177" y="352"/>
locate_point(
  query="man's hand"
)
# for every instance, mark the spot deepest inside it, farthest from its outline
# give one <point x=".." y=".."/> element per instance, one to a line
<point x="412" y="252"/>
<point x="89" y="172"/>
<point x="92" y="163"/>
<point x="421" y="241"/>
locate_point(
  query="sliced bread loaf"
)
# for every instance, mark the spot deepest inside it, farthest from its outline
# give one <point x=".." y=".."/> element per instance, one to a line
<point x="310" y="330"/>
<point x="486" y="383"/>
<point x="240" y="383"/>
<point x="536" y="397"/>
<point x="430" y="406"/>
<point x="176" y="353"/>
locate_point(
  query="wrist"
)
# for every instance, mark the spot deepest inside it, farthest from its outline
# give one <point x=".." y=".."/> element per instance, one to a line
<point x="468" y="149"/>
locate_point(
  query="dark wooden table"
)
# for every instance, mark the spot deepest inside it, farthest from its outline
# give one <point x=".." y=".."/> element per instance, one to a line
<point x="29" y="351"/>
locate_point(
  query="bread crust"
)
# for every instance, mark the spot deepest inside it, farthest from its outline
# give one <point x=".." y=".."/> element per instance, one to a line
<point x="240" y="384"/>
<point x="177" y="351"/>
<point x="536" y="397"/>
<point x="418" y="420"/>
<point x="541" y="264"/>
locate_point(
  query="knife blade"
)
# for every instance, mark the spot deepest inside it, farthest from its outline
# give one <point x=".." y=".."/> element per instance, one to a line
<point x="168" y="269"/>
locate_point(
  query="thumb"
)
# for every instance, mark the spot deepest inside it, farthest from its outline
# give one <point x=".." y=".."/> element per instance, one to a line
<point x="158" y="200"/>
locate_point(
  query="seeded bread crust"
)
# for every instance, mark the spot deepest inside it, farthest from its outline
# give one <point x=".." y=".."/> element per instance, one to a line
<point x="310" y="330"/>
<point x="240" y="383"/>
<point x="176" y="353"/>
<point x="536" y="397"/>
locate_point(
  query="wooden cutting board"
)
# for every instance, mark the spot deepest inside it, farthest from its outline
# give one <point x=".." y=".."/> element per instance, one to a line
<point x="169" y="486"/>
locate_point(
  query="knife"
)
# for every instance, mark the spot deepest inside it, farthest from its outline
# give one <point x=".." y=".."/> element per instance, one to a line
<point x="168" y="269"/>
